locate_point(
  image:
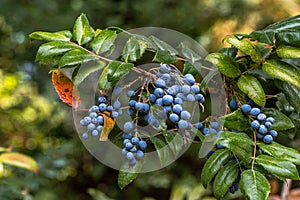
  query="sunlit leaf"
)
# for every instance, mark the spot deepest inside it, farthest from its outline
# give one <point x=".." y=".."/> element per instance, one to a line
<point x="47" y="36"/>
<point x="103" y="42"/>
<point x="19" y="160"/>
<point x="128" y="173"/>
<point x="134" y="49"/>
<point x="75" y="57"/>
<point x="109" y="124"/>
<point x="82" y="31"/>
<point x="288" y="52"/>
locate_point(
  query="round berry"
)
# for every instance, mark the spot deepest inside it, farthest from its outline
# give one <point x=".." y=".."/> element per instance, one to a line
<point x="200" y="98"/>
<point x="214" y="125"/>
<point x="102" y="99"/>
<point x="109" y="108"/>
<point x="171" y="91"/>
<point x="159" y="101"/>
<point x="99" y="128"/>
<point x="132" y="103"/>
<point x="139" y="106"/>
<point x="178" y="100"/>
<point x="164" y="68"/>
<point x="177" y="108"/>
<point x="142" y="145"/>
<point x="259" y="136"/>
<point x="190" y="98"/>
<point x="233" y="104"/>
<point x="135" y="140"/>
<point x="85" y="135"/>
<point x="91" y="127"/>
<point x="160" y="83"/>
<point x="128" y="126"/>
<point x="129" y="156"/>
<point x="130" y="111"/>
<point x="133" y="149"/>
<point x="87" y="120"/>
<point x="131" y="93"/>
<point x="82" y="122"/>
<point x="185" y="89"/>
<point x="261" y="117"/>
<point x="146" y="107"/>
<point x="114" y="114"/>
<point x="152" y="98"/>
<point x="174" y="117"/>
<point x="102" y="107"/>
<point x="185" y="115"/>
<point x="128" y="145"/>
<point x="93" y="115"/>
<point x="95" y="108"/>
<point x="268" y="139"/>
<point x="273" y="133"/>
<point x="246" y="108"/>
<point x="100" y="120"/>
<point x="206" y="131"/>
<point x="189" y="79"/>
<point x="270" y="119"/>
<point x="182" y="124"/>
<point x="199" y="125"/>
<point x="95" y="132"/>
<point x="117" y="91"/>
<point x="132" y="162"/>
<point x="166" y="78"/>
<point x="167" y="99"/>
<point x="254" y="111"/>
<point x="268" y="124"/>
<point x="167" y="109"/>
<point x="139" y="154"/>
<point x="126" y="136"/>
<point x="262" y="129"/>
<point x="124" y="151"/>
<point x="255" y="124"/>
<point x="117" y="105"/>
<point x="158" y="92"/>
<point x="195" y="89"/>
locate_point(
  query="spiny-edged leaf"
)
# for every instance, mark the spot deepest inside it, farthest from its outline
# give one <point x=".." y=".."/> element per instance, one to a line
<point x="82" y="31"/>
<point x="47" y="36"/>
<point x="134" y="49"/>
<point x="279" y="151"/>
<point x="164" y="57"/>
<point x="109" y="124"/>
<point x="235" y="121"/>
<point x="239" y="143"/>
<point x="245" y="46"/>
<point x="282" y="71"/>
<point x="284" y="51"/>
<point x="278" y="167"/>
<point x="253" y="89"/>
<point x="208" y="78"/>
<point x="162" y="149"/>
<point x="103" y="41"/>
<point x="47" y="51"/>
<point x="84" y="71"/>
<point x="224" y="179"/>
<point x="291" y="92"/>
<point x="188" y="53"/>
<point x="75" y="57"/>
<point x="225" y="64"/>
<point x="128" y="173"/>
<point x="207" y="145"/>
<point x="289" y="37"/>
<point x="231" y="51"/>
<point x="282" y="122"/>
<point x="19" y="160"/>
<point x="213" y="165"/>
<point x="175" y="141"/>
<point x="65" y="89"/>
<point x="254" y="185"/>
<point x="161" y="45"/>
<point x="191" y="68"/>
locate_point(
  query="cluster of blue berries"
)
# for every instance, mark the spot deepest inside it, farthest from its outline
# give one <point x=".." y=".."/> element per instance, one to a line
<point x="260" y="123"/>
<point x="95" y="120"/>
<point x="133" y="148"/>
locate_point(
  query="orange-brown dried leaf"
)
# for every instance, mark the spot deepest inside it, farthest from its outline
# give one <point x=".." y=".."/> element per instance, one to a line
<point x="19" y="160"/>
<point x="109" y="124"/>
<point x="65" y="89"/>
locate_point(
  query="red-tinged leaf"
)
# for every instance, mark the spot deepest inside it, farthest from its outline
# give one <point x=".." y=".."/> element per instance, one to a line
<point x="65" y="89"/>
<point x="109" y="124"/>
<point x="19" y="160"/>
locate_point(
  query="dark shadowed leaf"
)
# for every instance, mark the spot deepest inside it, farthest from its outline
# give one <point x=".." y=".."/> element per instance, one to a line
<point x="134" y="49"/>
<point x="291" y="92"/>
<point x="162" y="149"/>
<point x="282" y="122"/>
<point x="235" y="121"/>
<point x="188" y="53"/>
<point x="164" y="57"/>
<point x="163" y="46"/>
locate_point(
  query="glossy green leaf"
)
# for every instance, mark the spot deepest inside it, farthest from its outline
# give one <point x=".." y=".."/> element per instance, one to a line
<point x="282" y="122"/>
<point x="83" y="72"/>
<point x="225" y="64"/>
<point x="175" y="141"/>
<point x="47" y="36"/>
<point x="291" y="92"/>
<point x="215" y="162"/>
<point x="239" y="143"/>
<point x="288" y="51"/>
<point x="191" y="68"/>
<point x="188" y="53"/>
<point x="235" y="121"/>
<point x="162" y="149"/>
<point x="103" y="42"/>
<point x="19" y="160"/>
<point x="75" y="57"/>
<point x="290" y="37"/>
<point x="288" y="23"/>
<point x="128" y="173"/>
<point x="265" y="36"/>
<point x="164" y="57"/>
<point x="134" y="49"/>
<point x="278" y="167"/>
<point x="231" y="51"/>
<point x="254" y="185"/>
<point x="283" y="105"/>
<point x="225" y="178"/>
<point x="253" y="89"/>
<point x="163" y="46"/>
<point x="245" y="46"/>
<point x="103" y="82"/>
<point x="264" y="49"/>
<point x="279" y="151"/>
<point x="207" y="145"/>
<point x="82" y="31"/>
<point x="282" y="71"/>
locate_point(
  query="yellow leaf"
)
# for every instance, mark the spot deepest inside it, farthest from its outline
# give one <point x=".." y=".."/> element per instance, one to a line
<point x="19" y="160"/>
<point x="1" y="170"/>
<point x="109" y="124"/>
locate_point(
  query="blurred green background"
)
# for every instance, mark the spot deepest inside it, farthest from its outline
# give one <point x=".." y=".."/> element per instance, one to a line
<point x="34" y="121"/>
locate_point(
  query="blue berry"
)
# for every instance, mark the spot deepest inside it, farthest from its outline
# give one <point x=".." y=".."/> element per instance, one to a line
<point x="130" y="111"/>
<point x="273" y="133"/>
<point x="139" y="154"/>
<point x="171" y="91"/>
<point x="139" y="106"/>
<point x="200" y="98"/>
<point x="142" y="144"/>
<point x="246" y="108"/>
<point x="181" y="96"/>
<point x="117" y="91"/>
<point x="199" y="125"/>
<point x="190" y="98"/>
<point x="102" y="99"/>
<point x="131" y="93"/>
<point x="166" y="78"/>
<point x="128" y="145"/>
<point x="182" y="124"/>
<point x="102" y="107"/>
<point x="87" y="120"/>
<point x="270" y="119"/>
<point x="178" y="100"/>
<point x="117" y="105"/>
<point x="255" y="124"/>
<point x="99" y="128"/>
<point x="95" y="108"/>
<point x="174" y="117"/>
<point x="133" y="149"/>
<point x="195" y="89"/>
<point x="114" y="114"/>
<point x="219" y="146"/>
<point x="126" y="136"/>
<point x="124" y="151"/>
<point x="177" y="108"/>
<point x="85" y="135"/>
<point x="268" y="124"/>
<point x="109" y="108"/>
<point x="185" y="89"/>
<point x="159" y="101"/>
<point x="95" y="133"/>
<point x="82" y="122"/>
<point x="210" y="153"/>
<point x="93" y="115"/>
<point x="91" y="127"/>
<point x="135" y="140"/>
<point x="152" y="98"/>
<point x="214" y="125"/>
<point x="100" y="120"/>
<point x="167" y="99"/>
<point x="158" y="92"/>
<point x="132" y="103"/>
<point x="160" y="83"/>
<point x="206" y="131"/>
<point x="185" y="115"/>
<point x="233" y="104"/>
<point x="129" y="156"/>
<point x="119" y="112"/>
<point x="254" y="111"/>
<point x="261" y="117"/>
<point x="132" y="162"/>
<point x="268" y="139"/>
<point x="164" y="68"/>
<point x="128" y="126"/>
<point x="189" y="79"/>
<point x="168" y="109"/>
<point x="262" y="129"/>
<point x="146" y="107"/>
<point x="259" y="136"/>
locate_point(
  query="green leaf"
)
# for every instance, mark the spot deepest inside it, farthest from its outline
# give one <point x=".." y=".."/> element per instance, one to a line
<point x="213" y="165"/>
<point x="163" y="46"/>
<point x="278" y="167"/>
<point x="264" y="49"/>
<point x="254" y="185"/>
<point x="291" y="92"/>
<point x="82" y="31"/>
<point x="253" y="89"/>
<point x="162" y="150"/>
<point x="188" y="53"/>
<point x="128" y="173"/>
<point x="134" y="49"/>
<point x="97" y="194"/>
<point x="245" y="46"/>
<point x="289" y="37"/>
<point x="164" y="57"/>
<point x="279" y="151"/>
<point x="225" y="64"/>
<point x="231" y="51"/>
<point x="75" y="57"/>
<point x="175" y="141"/>
<point x="82" y="72"/>
<point x="288" y="23"/>
<point x="224" y="179"/>
<point x="235" y="121"/>
<point x="239" y="143"/>
<point x="288" y="51"/>
<point x="207" y="145"/>
<point x="265" y="36"/>
<point x="189" y="68"/>
<point x="208" y="78"/>
<point x="1" y="170"/>
<point x="46" y="36"/>
<point x="282" y="71"/>
<point x="103" y="41"/>
<point x="19" y="160"/>
<point x="282" y="122"/>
